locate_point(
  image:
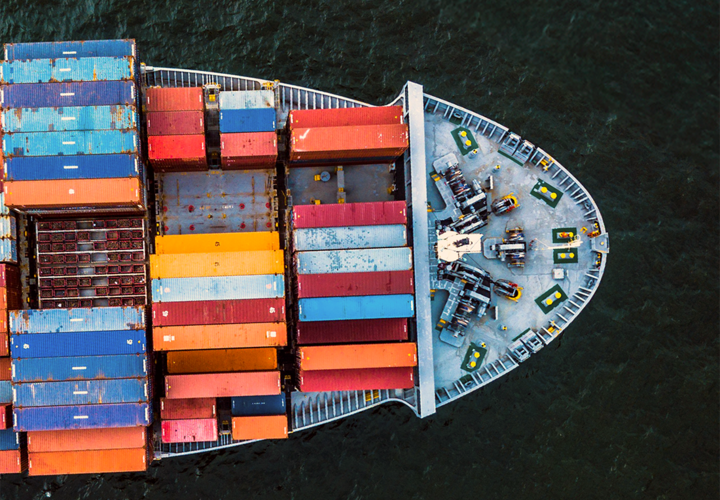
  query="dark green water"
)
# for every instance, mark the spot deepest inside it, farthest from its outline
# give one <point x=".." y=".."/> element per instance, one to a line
<point x="625" y="94"/>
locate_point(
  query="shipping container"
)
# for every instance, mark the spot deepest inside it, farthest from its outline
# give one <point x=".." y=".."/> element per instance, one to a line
<point x="217" y="242"/>
<point x="5" y="415"/>
<point x="174" y="99"/>
<point x="74" y="193"/>
<point x="187" y="408"/>
<point x="8" y="227"/>
<point x="259" y="427"/>
<point x="56" y="418"/>
<point x="6" y="393"/>
<point x="68" y="69"/>
<point x="350" y="214"/>
<point x="345" y="117"/>
<point x="80" y="319"/>
<point x="80" y="392"/>
<point x="52" y="345"/>
<point x="354" y="261"/>
<point x="13" y="461"/>
<point x="86" y="48"/>
<point x="79" y="368"/>
<point x="35" y="168"/>
<point x="180" y="338"/>
<point x="8" y="250"/>
<point x="258" y="405"/>
<point x="354" y="284"/>
<point x="198" y="265"/>
<point x="57" y="95"/>
<point x="56" y="463"/>
<point x="5" y="369"/>
<point x="357" y="356"/>
<point x="4" y="344"/>
<point x="348" y="332"/>
<point x="87" y="439"/>
<point x="175" y="123"/>
<point x="250" y="150"/>
<point x="69" y="118"/>
<point x="75" y="142"/>
<point x="367" y="143"/>
<point x="342" y="238"/>
<point x="4" y="210"/>
<point x="189" y="430"/>
<point x="356" y="380"/>
<point x="222" y="385"/>
<point x="246" y="99"/>
<point x="9" y="440"/>
<point x="177" y="152"/>
<point x="218" y="288"/>
<point x="10" y="298"/>
<point x="233" y="121"/>
<point x="222" y="360"/>
<point x="218" y="312"/>
<point x="10" y="276"/>
<point x="361" y="307"/>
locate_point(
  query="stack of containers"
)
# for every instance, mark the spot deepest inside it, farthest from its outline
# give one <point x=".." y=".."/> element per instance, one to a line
<point x="347" y="135"/>
<point x="81" y="390"/>
<point x="10" y="298"/>
<point x="70" y="125"/>
<point x="13" y="457"/>
<point x="247" y="129"/>
<point x="219" y="313"/>
<point x="354" y="286"/>
<point x="175" y="121"/>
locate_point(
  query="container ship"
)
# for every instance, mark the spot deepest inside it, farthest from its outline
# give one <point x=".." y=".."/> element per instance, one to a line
<point x="194" y="261"/>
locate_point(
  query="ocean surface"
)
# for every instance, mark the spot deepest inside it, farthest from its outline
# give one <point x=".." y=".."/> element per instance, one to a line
<point x="625" y="94"/>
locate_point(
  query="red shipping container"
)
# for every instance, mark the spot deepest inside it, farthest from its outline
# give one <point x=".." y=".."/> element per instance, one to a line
<point x="354" y="284"/>
<point x="177" y="152"/>
<point x="10" y="299"/>
<point x="13" y="461"/>
<point x="6" y="420"/>
<point x="87" y="439"/>
<point x="350" y="214"/>
<point x="248" y="150"/>
<point x="221" y="385"/>
<point x="10" y="276"/>
<point x="345" y="117"/>
<point x="187" y="408"/>
<point x="55" y="463"/>
<point x="5" y="369"/>
<point x="357" y="143"/>
<point x="69" y="193"/>
<point x="356" y="380"/>
<point x="176" y="123"/>
<point x="189" y="430"/>
<point x="355" y="331"/>
<point x="218" y="312"/>
<point x="174" y="99"/>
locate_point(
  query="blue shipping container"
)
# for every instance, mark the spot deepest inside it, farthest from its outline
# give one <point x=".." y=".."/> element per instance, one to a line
<point x="268" y="286"/>
<point x="87" y="69"/>
<point x="50" y="95"/>
<point x="53" y="50"/>
<point x="55" y="345"/>
<point x="341" y="238"/>
<point x="8" y="251"/>
<point x="55" y="418"/>
<point x="79" y="368"/>
<point x="258" y="405"/>
<point x="363" y="307"/>
<point x="69" y="118"/>
<point x="246" y="99"/>
<point x="80" y="319"/>
<point x="8" y="227"/>
<point x="4" y="210"/>
<point x="354" y="261"/>
<point x="9" y="440"/>
<point x="78" y="142"/>
<point x="80" y="392"/>
<point x="6" y="395"/>
<point x="247" y="120"/>
<point x="35" y="168"/>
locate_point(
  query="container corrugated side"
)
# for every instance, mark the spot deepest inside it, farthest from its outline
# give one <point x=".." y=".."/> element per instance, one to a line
<point x="222" y="385"/>
<point x="361" y="307"/>
<point x="218" y="312"/>
<point x="180" y="338"/>
<point x="13" y="461"/>
<point x="259" y="427"/>
<point x="356" y="380"/>
<point x="8" y="227"/>
<point x="350" y="214"/>
<point x="51" y="345"/>
<point x="56" y="418"/>
<point x="87" y="462"/>
<point x="9" y="440"/>
<point x="79" y="319"/>
<point x="258" y="405"/>
<point x="357" y="143"/>
<point x="357" y="356"/>
<point x="80" y="392"/>
<point x="348" y="332"/>
<point x="79" y="368"/>
<point x="10" y="276"/>
<point x="197" y="265"/>
<point x="10" y="298"/>
<point x="51" y="95"/>
<point x="342" y="238"/>
<point x="75" y="142"/>
<point x="87" y="439"/>
<point x="234" y="121"/>
<point x="6" y="392"/>
<point x="34" y="168"/>
<point x="246" y="99"/>
<point x="222" y="360"/>
<point x="64" y="193"/>
<point x="69" y="118"/>
<point x="4" y="344"/>
<point x="177" y="152"/>
<point x="354" y="261"/>
<point x="345" y="117"/>
<point x="175" y="122"/>
<point x="174" y="99"/>
<point x="187" y="408"/>
<point x="5" y="369"/>
<point x="5" y="415"/>
<point x="249" y="150"/>
<point x="69" y="69"/>
<point x="354" y="284"/>
<point x="218" y="288"/>
<point x="8" y="250"/>
<point x="217" y="242"/>
<point x="189" y="430"/>
<point x="85" y="48"/>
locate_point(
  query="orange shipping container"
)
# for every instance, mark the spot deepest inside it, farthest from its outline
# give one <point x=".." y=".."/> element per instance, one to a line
<point x="222" y="360"/>
<point x="184" y="338"/>
<point x="262" y="427"/>
<point x="221" y="385"/>
<point x="87" y="462"/>
<point x="218" y="242"/>
<point x="198" y="265"/>
<point x="12" y="461"/>
<point x="87" y="439"/>
<point x="4" y="343"/>
<point x="353" y="143"/>
<point x="345" y="357"/>
<point x="5" y="369"/>
<point x="67" y="193"/>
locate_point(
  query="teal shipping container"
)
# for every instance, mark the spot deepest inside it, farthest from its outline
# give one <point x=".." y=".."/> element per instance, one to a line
<point x="85" y="142"/>
<point x="69" y="118"/>
<point x="218" y="288"/>
<point x="80" y="319"/>
<point x="342" y="238"/>
<point x="349" y="308"/>
<point x="84" y="48"/>
<point x="86" y="69"/>
<point x="354" y="261"/>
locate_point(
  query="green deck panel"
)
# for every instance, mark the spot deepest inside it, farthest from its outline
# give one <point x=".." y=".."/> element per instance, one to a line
<point x="520" y="334"/>
<point x="536" y="191"/>
<point x="571" y="255"/>
<point x="469" y="356"/>
<point x="460" y="141"/>
<point x="511" y="158"/>
<point x="558" y="230"/>
<point x="542" y="300"/>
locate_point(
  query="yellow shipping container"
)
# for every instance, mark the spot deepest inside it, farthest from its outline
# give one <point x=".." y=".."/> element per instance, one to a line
<point x="199" y="265"/>
<point x="217" y="242"/>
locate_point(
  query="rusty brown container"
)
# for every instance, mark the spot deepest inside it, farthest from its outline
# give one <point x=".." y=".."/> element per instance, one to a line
<point x="68" y="193"/>
<point x="174" y="99"/>
<point x="87" y="439"/>
<point x="171" y="409"/>
<point x="175" y="123"/>
<point x="222" y="360"/>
